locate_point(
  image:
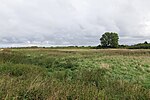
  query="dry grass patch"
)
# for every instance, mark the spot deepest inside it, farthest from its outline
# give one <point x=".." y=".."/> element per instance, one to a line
<point x="104" y="66"/>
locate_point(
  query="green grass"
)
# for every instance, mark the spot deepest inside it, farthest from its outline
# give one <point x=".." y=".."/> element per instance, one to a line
<point x="74" y="74"/>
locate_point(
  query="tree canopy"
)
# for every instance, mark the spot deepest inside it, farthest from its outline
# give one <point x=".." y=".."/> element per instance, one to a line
<point x="109" y="39"/>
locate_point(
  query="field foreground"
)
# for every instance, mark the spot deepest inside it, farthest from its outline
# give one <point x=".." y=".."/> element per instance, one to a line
<point x="74" y="74"/>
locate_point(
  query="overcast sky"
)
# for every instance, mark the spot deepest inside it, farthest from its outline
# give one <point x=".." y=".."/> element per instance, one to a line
<point x="72" y="22"/>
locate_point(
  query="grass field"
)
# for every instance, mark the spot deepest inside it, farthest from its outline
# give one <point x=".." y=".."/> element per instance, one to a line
<point x="74" y="74"/>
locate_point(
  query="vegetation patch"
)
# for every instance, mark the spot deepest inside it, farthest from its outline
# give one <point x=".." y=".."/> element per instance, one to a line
<point x="108" y="74"/>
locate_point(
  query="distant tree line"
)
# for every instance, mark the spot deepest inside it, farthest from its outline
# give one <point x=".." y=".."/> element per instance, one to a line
<point x="111" y="39"/>
<point x="144" y="45"/>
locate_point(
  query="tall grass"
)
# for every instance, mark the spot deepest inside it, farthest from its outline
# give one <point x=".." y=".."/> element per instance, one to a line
<point x="42" y="74"/>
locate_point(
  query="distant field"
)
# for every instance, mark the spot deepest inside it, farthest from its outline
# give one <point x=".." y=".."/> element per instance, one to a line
<point x="74" y="74"/>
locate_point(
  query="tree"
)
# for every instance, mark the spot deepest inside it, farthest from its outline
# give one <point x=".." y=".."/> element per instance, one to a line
<point x="145" y="42"/>
<point x="109" y="39"/>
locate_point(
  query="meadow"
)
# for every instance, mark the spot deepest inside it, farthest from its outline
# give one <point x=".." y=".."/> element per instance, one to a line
<point x="74" y="74"/>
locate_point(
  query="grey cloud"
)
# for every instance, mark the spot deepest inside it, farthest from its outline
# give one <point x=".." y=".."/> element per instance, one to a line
<point x="72" y="22"/>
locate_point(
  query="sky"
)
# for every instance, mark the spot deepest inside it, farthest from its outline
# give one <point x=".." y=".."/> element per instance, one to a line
<point x="72" y="22"/>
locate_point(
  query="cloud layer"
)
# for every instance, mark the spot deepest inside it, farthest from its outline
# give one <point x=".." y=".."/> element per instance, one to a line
<point x="72" y="22"/>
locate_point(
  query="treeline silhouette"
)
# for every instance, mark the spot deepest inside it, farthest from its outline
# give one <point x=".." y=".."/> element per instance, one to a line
<point x="144" y="45"/>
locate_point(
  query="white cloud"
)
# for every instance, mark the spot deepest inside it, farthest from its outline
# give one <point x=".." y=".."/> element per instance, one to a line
<point x="73" y="22"/>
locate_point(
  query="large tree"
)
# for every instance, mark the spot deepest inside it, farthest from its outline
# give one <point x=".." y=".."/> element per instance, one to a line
<point x="109" y="39"/>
